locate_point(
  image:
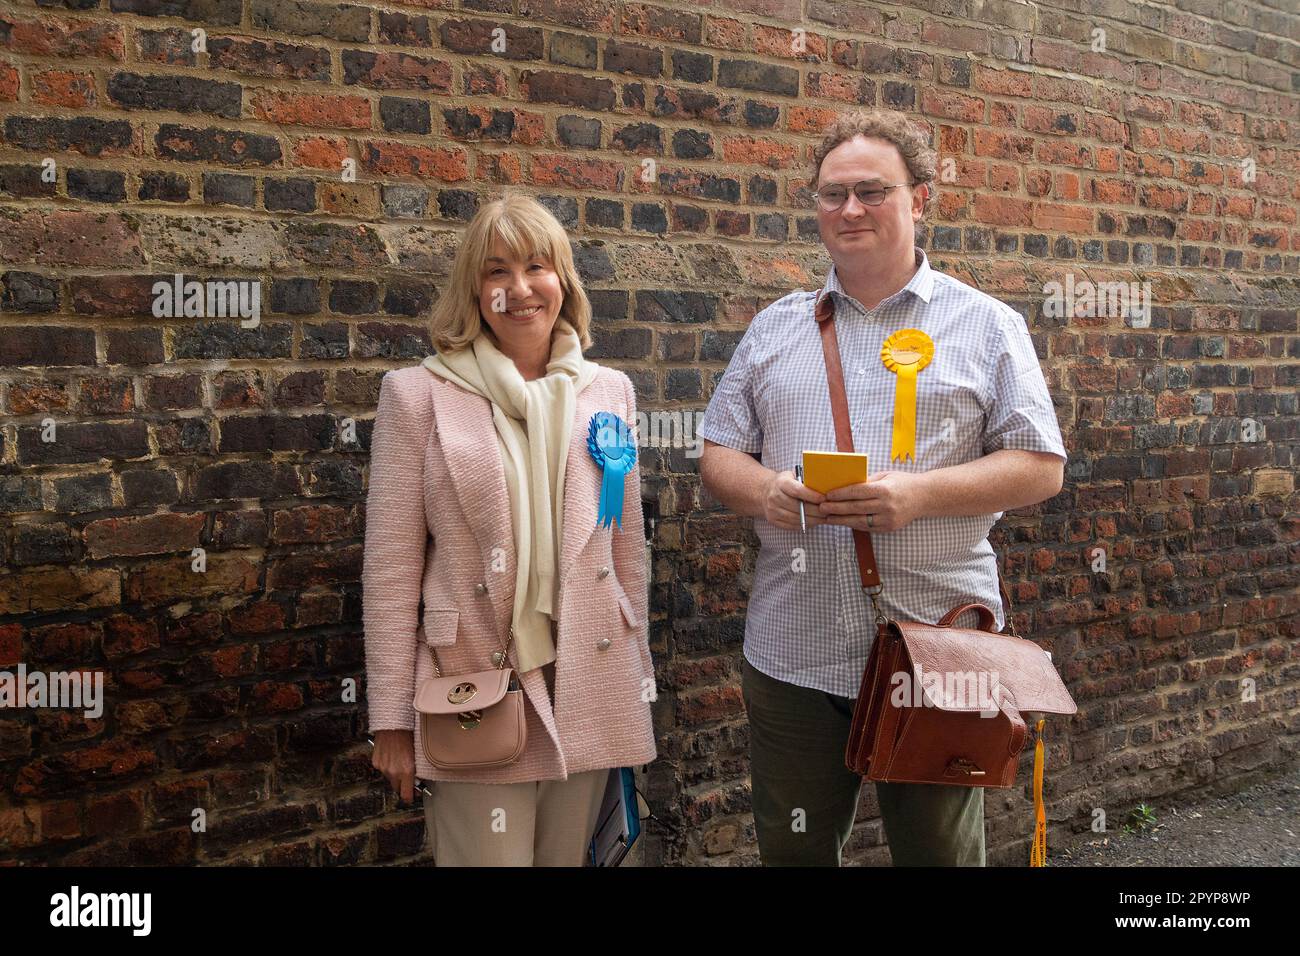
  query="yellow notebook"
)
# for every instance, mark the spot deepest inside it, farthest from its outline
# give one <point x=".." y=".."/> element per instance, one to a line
<point x="825" y="471"/>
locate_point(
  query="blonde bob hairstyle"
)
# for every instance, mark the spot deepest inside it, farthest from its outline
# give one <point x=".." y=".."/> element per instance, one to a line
<point x="526" y="227"/>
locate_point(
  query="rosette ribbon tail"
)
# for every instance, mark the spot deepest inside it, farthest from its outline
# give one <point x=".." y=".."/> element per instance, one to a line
<point x="904" y="439"/>
<point x="611" y="492"/>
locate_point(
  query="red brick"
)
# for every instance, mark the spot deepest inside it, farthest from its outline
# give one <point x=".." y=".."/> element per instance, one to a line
<point x="809" y="119"/>
<point x="500" y="168"/>
<point x="1062" y="218"/>
<point x="321" y="152"/>
<point x="68" y="238"/>
<point x="115" y="813"/>
<point x="952" y="105"/>
<point x="960" y="38"/>
<point x="125" y="635"/>
<point x="1064" y="153"/>
<point x="779" y="42"/>
<point x="310" y="523"/>
<point x="390" y="70"/>
<point x="725" y="33"/>
<point x="1003" y="211"/>
<point x="594" y="15"/>
<point x="59" y="589"/>
<point x="58" y="36"/>
<point x="1002" y="82"/>
<point x="11" y="645"/>
<point x="63" y="88"/>
<point x="844" y="87"/>
<point x="715" y="703"/>
<point x="147" y="534"/>
<point x="8" y="82"/>
<point x="304" y="109"/>
<point x="561" y="170"/>
<point x="164" y="580"/>
<point x="391" y="158"/>
<point x="643" y="19"/>
<point x="761" y="152"/>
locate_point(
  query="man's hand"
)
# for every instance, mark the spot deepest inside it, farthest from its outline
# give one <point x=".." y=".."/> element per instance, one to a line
<point x="891" y="499"/>
<point x="781" y="502"/>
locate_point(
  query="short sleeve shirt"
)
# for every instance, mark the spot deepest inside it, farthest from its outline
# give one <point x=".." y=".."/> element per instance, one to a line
<point x="808" y="622"/>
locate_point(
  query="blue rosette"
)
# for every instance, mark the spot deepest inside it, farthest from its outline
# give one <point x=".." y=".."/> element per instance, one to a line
<point x="609" y="440"/>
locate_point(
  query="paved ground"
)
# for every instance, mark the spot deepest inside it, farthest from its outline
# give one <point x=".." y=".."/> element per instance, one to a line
<point x="1259" y="826"/>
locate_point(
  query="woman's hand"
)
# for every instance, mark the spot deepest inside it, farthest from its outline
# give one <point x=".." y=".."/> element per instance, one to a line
<point x="394" y="757"/>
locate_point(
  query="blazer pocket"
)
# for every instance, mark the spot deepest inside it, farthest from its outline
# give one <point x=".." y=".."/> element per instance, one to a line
<point x="440" y="626"/>
<point x="625" y="604"/>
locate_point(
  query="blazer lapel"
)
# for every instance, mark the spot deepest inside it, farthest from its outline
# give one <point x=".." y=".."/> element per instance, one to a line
<point x="473" y="455"/>
<point x="582" y="480"/>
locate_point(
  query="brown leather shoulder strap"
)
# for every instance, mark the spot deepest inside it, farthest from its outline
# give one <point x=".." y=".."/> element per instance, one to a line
<point x="867" y="570"/>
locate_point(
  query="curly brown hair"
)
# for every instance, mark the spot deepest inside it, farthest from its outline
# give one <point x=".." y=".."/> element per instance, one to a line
<point x="912" y="142"/>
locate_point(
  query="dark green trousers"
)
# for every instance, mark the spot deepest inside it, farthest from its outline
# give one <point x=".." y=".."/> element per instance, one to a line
<point x="805" y="799"/>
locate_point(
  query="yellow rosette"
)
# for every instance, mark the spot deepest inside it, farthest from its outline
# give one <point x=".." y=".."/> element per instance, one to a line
<point x="905" y="353"/>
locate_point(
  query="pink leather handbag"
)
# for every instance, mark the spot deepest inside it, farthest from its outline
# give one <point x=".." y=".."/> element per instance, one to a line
<point x="469" y="721"/>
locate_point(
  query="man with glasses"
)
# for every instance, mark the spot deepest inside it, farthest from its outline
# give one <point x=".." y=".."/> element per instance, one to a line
<point x="984" y="438"/>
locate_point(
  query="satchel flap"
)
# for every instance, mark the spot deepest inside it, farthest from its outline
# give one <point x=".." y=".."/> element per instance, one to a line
<point x="969" y="670"/>
<point x="461" y="692"/>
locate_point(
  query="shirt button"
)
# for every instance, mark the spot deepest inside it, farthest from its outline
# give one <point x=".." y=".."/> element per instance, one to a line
<point x="480" y="588"/>
<point x="603" y="573"/>
<point x="603" y="644"/>
<point x="862" y="371"/>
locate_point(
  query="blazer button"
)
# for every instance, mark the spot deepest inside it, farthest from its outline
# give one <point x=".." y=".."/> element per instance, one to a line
<point x="480" y="588"/>
<point x="602" y="644"/>
<point x="603" y="573"/>
<point x="496" y="658"/>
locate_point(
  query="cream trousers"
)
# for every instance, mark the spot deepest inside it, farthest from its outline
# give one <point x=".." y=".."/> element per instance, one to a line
<point x="535" y="823"/>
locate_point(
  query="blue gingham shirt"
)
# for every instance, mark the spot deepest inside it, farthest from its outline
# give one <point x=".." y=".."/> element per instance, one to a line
<point x="982" y="391"/>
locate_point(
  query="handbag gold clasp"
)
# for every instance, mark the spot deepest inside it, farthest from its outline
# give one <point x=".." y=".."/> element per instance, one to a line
<point x="462" y="692"/>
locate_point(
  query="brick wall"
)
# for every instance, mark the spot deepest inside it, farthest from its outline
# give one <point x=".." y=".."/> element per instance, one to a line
<point x="332" y="152"/>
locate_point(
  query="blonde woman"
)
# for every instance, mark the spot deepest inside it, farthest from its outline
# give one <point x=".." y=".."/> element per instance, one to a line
<point x="486" y="503"/>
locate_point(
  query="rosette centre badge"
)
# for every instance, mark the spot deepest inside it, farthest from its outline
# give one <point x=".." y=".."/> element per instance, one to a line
<point x="609" y="440"/>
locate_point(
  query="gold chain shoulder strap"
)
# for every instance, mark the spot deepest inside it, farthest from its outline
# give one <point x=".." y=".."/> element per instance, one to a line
<point x="500" y="658"/>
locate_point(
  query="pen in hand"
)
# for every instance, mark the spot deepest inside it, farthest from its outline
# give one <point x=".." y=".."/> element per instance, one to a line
<point x="803" y="521"/>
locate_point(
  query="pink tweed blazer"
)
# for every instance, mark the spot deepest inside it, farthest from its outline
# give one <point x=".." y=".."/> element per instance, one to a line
<point x="438" y="529"/>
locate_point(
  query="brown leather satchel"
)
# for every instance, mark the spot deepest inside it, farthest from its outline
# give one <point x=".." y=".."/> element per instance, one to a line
<point x="908" y="727"/>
